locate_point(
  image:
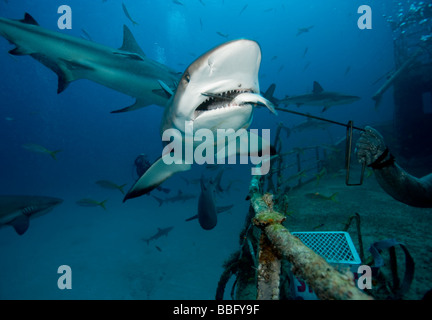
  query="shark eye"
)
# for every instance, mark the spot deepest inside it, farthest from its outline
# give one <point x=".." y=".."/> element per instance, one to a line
<point x="187" y="77"/>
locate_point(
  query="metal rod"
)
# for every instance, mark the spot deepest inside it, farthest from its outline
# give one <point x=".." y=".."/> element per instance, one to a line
<point x="350" y="128"/>
<point x="317" y="118"/>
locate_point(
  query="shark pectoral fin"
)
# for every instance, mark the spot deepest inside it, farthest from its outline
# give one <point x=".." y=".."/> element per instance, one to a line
<point x="69" y="71"/>
<point x="20" y="224"/>
<point x="192" y="218"/>
<point x="139" y="103"/>
<point x="154" y="176"/>
<point x="169" y="92"/>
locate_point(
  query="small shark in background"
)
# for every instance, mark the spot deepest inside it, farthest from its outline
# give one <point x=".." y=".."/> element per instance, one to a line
<point x="161" y="232"/>
<point x="207" y="213"/>
<point x="303" y="30"/>
<point x="179" y="197"/>
<point x="126" y="70"/>
<point x="310" y="124"/>
<point x="217" y="91"/>
<point x="16" y="210"/>
<point x="319" y="97"/>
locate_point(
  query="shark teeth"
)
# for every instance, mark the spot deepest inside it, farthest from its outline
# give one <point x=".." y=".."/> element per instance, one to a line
<point x="220" y="100"/>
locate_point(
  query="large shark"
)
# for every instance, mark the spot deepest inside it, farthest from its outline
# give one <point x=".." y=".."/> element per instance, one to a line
<point x="320" y="98"/>
<point x="217" y="91"/>
<point x="126" y="70"/>
<point x="16" y="210"/>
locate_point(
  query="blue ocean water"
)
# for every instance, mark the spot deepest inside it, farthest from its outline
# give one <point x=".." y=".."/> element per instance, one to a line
<point x="105" y="250"/>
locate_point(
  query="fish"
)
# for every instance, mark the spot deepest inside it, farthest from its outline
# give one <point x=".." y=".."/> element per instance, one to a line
<point x="126" y="70"/>
<point x="298" y="175"/>
<point x="202" y="2"/>
<point x="243" y="9"/>
<point x="224" y="35"/>
<point x="319" y="97"/>
<point x="161" y="232"/>
<point x="177" y="2"/>
<point x="305" y="52"/>
<point x="318" y="226"/>
<point x="41" y="149"/>
<point x="303" y="30"/>
<point x="200" y="99"/>
<point x="319" y="196"/>
<point x="17" y="210"/>
<point x="179" y="197"/>
<point x="320" y="174"/>
<point x="207" y="214"/>
<point x="126" y="12"/>
<point x="87" y="202"/>
<point x="111" y="185"/>
<point x="348" y="69"/>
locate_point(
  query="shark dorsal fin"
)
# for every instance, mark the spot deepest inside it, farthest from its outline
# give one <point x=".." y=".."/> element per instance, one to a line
<point x="270" y="91"/>
<point x="129" y="43"/>
<point x="317" y="88"/>
<point x="28" y="19"/>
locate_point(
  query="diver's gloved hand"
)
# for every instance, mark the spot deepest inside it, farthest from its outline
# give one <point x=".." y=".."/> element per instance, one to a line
<point x="371" y="148"/>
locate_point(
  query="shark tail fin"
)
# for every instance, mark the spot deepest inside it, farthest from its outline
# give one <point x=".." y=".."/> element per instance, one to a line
<point x="121" y="188"/>
<point x="102" y="204"/>
<point x="53" y="154"/>
<point x="159" y="200"/>
<point x="333" y="197"/>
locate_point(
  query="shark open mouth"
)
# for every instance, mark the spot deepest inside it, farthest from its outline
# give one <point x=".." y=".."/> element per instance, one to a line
<point x="216" y="101"/>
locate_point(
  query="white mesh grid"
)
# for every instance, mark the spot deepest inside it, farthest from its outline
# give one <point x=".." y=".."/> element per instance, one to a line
<point x="334" y="246"/>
